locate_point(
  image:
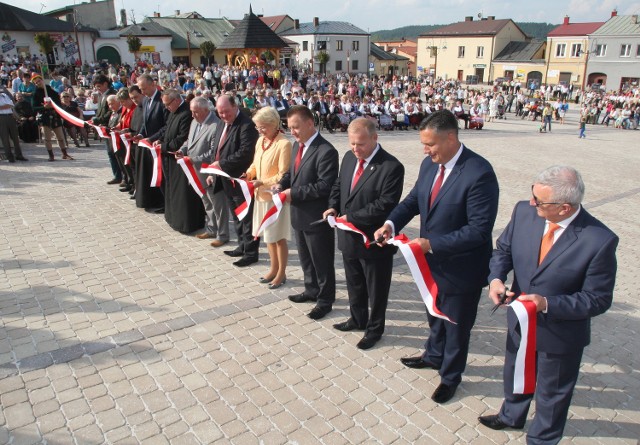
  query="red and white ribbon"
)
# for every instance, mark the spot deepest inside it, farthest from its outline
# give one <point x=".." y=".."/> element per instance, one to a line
<point x="192" y="176"/>
<point x="73" y="120"/>
<point x="272" y="214"/>
<point x="102" y="131"/>
<point x="247" y="189"/>
<point x="524" y="380"/>
<point x="127" y="146"/>
<point x="421" y="273"/>
<point x="156" y="153"/>
<point x="341" y="224"/>
<point x="114" y="141"/>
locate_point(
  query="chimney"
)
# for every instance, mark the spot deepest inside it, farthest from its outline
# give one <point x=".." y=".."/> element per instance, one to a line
<point x="566" y="20"/>
<point x="156" y="14"/>
<point x="123" y="17"/>
<point x="614" y="13"/>
<point x="316" y="22"/>
<point x="296" y="24"/>
<point x="177" y="12"/>
<point x="468" y="18"/>
<point x="491" y="17"/>
<point x="634" y="19"/>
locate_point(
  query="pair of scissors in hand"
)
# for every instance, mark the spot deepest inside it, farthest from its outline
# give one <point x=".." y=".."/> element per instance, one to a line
<point x="503" y="298"/>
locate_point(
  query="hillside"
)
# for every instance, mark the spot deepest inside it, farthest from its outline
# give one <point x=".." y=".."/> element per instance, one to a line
<point x="533" y="29"/>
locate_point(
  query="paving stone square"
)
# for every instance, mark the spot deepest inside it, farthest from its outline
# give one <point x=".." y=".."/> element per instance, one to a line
<point x="116" y="329"/>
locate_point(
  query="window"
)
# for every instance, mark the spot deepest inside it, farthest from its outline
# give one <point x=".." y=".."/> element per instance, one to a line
<point x="338" y="45"/>
<point x="355" y="45"/>
<point x="625" y="50"/>
<point x="461" y="51"/>
<point x="354" y="65"/>
<point x="576" y="50"/>
<point x="480" y="52"/>
<point x="338" y="65"/>
<point x="638" y="51"/>
<point x="322" y="46"/>
<point x="561" y="49"/>
<point x="305" y="45"/>
<point x="601" y="50"/>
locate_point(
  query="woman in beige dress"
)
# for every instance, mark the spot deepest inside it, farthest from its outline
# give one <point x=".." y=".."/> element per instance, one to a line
<point x="270" y="162"/>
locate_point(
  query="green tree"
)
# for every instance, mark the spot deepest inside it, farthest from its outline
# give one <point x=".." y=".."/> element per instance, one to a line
<point x="45" y="42"/>
<point x="323" y="58"/>
<point x="134" y="43"/>
<point x="207" y="48"/>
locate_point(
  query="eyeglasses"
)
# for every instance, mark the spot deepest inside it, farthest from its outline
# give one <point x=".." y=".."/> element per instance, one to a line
<point x="539" y="203"/>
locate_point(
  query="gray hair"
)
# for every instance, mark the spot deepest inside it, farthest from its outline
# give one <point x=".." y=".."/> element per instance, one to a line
<point x="201" y="102"/>
<point x="112" y="98"/>
<point x="565" y="182"/>
<point x="172" y="94"/>
<point x="362" y="123"/>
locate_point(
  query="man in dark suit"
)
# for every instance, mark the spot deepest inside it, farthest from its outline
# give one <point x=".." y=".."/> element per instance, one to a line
<point x="564" y="260"/>
<point x="102" y="116"/>
<point x="233" y="147"/>
<point x="307" y="184"/>
<point x="369" y="186"/>
<point x="456" y="196"/>
<point x="154" y="119"/>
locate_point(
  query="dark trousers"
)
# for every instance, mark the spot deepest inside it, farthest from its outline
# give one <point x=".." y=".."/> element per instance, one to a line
<point x="246" y="243"/>
<point x="556" y="378"/>
<point x="316" y="250"/>
<point x="448" y="343"/>
<point x="368" y="283"/>
<point x="9" y="130"/>
<point x="126" y="170"/>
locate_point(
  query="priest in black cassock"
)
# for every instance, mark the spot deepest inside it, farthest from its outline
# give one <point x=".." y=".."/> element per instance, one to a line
<point x="183" y="209"/>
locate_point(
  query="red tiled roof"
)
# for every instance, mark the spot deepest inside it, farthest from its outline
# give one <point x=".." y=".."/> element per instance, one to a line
<point x="273" y="21"/>
<point x="575" y="29"/>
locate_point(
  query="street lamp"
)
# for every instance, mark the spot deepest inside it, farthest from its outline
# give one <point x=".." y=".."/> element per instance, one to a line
<point x="584" y="74"/>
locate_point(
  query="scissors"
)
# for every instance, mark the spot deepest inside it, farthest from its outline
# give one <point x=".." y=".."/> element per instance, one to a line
<point x="503" y="298"/>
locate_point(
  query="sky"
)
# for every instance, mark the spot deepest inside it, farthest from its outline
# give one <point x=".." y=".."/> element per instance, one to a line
<point x="372" y="15"/>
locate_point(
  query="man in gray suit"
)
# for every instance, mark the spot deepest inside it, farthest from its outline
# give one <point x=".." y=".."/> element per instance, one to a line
<point x="198" y="149"/>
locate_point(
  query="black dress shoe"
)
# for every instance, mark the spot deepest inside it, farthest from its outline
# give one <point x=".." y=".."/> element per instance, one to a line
<point x="245" y="261"/>
<point x="125" y="189"/>
<point x="21" y="158"/>
<point x="301" y="298"/>
<point x="493" y="421"/>
<point x="367" y="342"/>
<point x="234" y="253"/>
<point x="417" y="363"/>
<point x="443" y="393"/>
<point x="159" y="211"/>
<point x="318" y="312"/>
<point x="347" y="326"/>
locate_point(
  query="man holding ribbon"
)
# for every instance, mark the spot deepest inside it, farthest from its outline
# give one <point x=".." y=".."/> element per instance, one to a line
<point x="369" y="186"/>
<point x="456" y="196"/>
<point x="564" y="265"/>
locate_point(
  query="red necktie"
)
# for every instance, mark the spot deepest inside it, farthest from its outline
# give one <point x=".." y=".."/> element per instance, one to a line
<point x="436" y="186"/>
<point x="298" y="158"/>
<point x="223" y="137"/>
<point x="359" y="172"/>
<point x="547" y="241"/>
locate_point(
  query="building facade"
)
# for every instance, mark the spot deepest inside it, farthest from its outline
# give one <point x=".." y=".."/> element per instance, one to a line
<point x="614" y="54"/>
<point x="346" y="46"/>
<point x="465" y="50"/>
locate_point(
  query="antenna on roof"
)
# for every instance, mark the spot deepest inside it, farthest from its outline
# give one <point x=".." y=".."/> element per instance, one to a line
<point x="42" y="7"/>
<point x="480" y="15"/>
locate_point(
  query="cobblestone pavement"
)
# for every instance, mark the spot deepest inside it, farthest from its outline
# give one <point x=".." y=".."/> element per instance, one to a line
<point x="116" y="329"/>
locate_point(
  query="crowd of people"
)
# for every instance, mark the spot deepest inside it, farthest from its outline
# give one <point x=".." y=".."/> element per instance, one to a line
<point x="162" y="132"/>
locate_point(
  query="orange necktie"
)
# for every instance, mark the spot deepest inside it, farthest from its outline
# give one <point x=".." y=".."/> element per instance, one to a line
<point x="547" y="242"/>
<point x="223" y="137"/>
